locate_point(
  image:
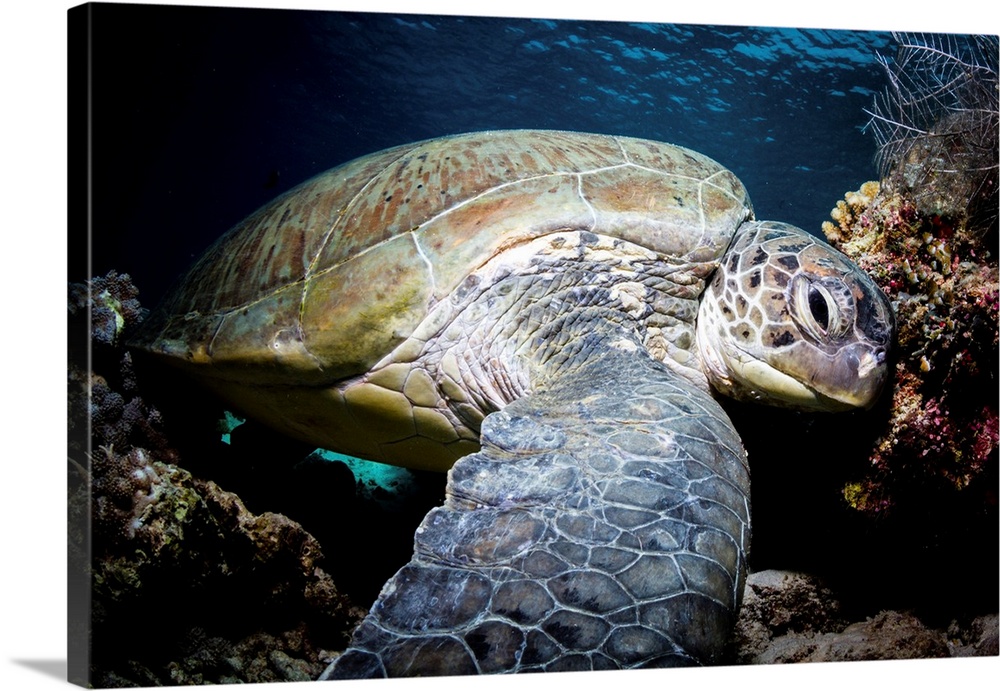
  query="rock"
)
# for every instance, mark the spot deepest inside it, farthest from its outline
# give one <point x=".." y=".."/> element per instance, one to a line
<point x="776" y="603"/>
<point x="888" y="636"/>
<point x="793" y="617"/>
<point x="979" y="638"/>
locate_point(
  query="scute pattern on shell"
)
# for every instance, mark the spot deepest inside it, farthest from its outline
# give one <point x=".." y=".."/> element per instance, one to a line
<point x="331" y="276"/>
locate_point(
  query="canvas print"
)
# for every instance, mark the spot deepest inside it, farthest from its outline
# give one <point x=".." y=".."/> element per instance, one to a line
<point x="411" y="345"/>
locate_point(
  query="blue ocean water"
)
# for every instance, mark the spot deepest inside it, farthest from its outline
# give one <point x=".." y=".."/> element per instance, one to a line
<point x="233" y="106"/>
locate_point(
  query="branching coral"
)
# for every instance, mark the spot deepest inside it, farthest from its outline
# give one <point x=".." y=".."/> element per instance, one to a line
<point x="936" y="126"/>
<point x="847" y="211"/>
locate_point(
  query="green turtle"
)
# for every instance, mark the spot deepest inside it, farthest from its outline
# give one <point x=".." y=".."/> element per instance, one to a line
<point x="545" y="315"/>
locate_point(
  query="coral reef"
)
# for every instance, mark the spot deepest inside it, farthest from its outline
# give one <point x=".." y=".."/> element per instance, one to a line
<point x="979" y="638"/>
<point x="848" y="209"/>
<point x="887" y="636"/>
<point x="943" y="283"/>
<point x="928" y="235"/>
<point x="242" y="597"/>
<point x="99" y="312"/>
<point x="185" y="584"/>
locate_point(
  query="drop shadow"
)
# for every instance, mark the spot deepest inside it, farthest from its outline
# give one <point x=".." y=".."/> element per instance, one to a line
<point x="50" y="668"/>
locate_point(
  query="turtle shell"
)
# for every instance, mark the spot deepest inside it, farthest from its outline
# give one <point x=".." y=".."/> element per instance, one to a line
<point x="328" y="278"/>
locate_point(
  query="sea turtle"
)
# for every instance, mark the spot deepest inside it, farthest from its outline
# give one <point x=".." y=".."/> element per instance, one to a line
<point x="544" y="315"/>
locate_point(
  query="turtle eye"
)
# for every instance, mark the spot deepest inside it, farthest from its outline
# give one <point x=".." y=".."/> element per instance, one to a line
<point x="823" y="307"/>
<point x="819" y="307"/>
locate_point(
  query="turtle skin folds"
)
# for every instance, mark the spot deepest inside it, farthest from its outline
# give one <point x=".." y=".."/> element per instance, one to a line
<point x="603" y="525"/>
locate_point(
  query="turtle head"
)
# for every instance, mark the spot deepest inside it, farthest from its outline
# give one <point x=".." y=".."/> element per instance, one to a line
<point x="790" y="321"/>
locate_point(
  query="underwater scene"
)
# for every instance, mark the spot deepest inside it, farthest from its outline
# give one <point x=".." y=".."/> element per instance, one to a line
<point x="494" y="394"/>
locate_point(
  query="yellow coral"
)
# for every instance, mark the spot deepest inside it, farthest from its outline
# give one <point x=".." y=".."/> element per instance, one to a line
<point x="863" y="197"/>
<point x="855" y="495"/>
<point x="870" y="190"/>
<point x="848" y="210"/>
<point x="831" y="232"/>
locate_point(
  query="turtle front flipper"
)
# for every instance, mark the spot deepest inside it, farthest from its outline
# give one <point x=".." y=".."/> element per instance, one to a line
<point x="603" y="525"/>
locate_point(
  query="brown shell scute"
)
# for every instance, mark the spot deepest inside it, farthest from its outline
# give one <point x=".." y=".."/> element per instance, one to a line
<point x="352" y="311"/>
<point x="277" y="244"/>
<point x="327" y="279"/>
<point x="676" y="216"/>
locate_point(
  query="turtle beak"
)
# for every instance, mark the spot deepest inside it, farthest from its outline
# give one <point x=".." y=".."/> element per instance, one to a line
<point x="855" y="378"/>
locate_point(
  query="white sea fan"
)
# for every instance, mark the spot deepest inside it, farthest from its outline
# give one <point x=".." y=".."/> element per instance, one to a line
<point x="936" y="123"/>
